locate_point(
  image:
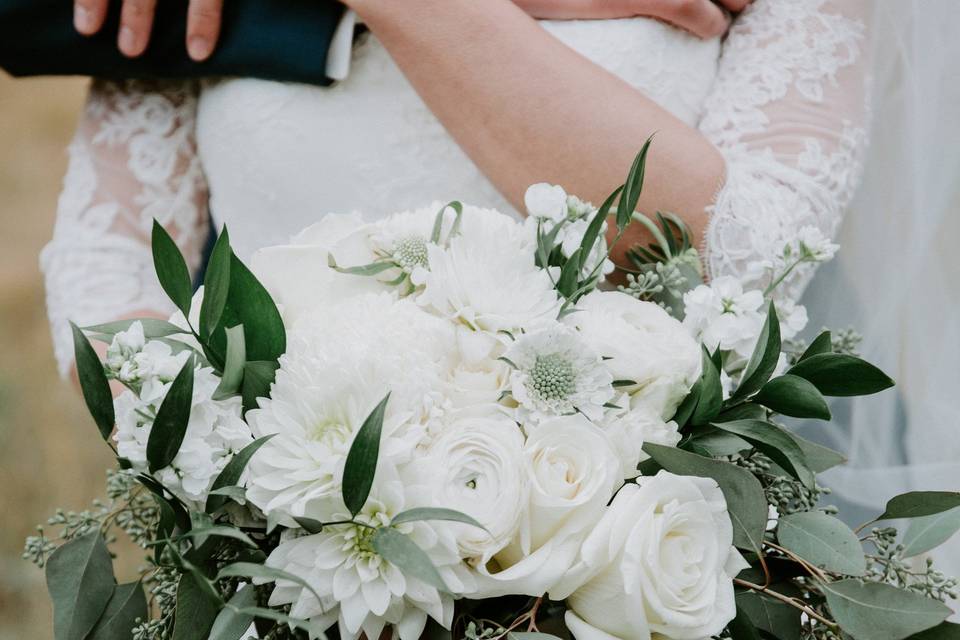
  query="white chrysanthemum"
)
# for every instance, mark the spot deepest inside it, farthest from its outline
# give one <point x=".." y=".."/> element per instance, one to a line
<point x="475" y="466"/>
<point x="631" y="428"/>
<point x="361" y="591"/>
<point x="339" y="364"/>
<point x="557" y="374"/>
<point x="643" y="347"/>
<point x="723" y="314"/>
<point x="214" y="433"/>
<point x="487" y="278"/>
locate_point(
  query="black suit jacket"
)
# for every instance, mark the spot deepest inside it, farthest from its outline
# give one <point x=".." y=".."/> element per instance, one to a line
<point x="271" y="39"/>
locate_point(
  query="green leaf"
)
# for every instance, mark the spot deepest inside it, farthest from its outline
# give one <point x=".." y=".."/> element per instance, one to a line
<point x="763" y="361"/>
<point x="711" y="392"/>
<point x="531" y="635"/>
<point x="81" y="583"/>
<point x="793" y="396"/>
<point x="219" y="531"/>
<point x="775" y="443"/>
<point x="943" y="631"/>
<point x="434" y="513"/>
<point x="171" y="269"/>
<point x="170" y="425"/>
<point x="632" y="187"/>
<point x="309" y="524"/>
<point x="231" y="473"/>
<point x="93" y="383"/>
<point x="915" y="504"/>
<point x="929" y="532"/>
<point x="686" y="408"/>
<point x="234" y="363"/>
<point x="232" y="621"/>
<point x="822" y="344"/>
<point x="823" y="541"/>
<point x="371" y="269"/>
<point x="819" y="458"/>
<point x="216" y="284"/>
<point x="746" y="502"/>
<point x="249" y="304"/>
<point x="261" y="571"/>
<point x="257" y="378"/>
<point x="196" y="610"/>
<point x="313" y="628"/>
<point x="438" y="221"/>
<point x="716" y="443"/>
<point x="569" y="275"/>
<point x="152" y="328"/>
<point x="127" y="604"/>
<point x="838" y="374"/>
<point x="361" y="464"/>
<point x="873" y="611"/>
<point x="769" y="614"/>
<point x="742" y="628"/>
<point x="596" y="225"/>
<point x="403" y="553"/>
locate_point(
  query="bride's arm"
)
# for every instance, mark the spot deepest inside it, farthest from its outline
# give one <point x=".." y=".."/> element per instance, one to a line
<point x="527" y="108"/>
<point x="132" y="160"/>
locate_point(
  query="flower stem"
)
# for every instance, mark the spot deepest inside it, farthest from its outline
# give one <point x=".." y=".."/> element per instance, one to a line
<point x="786" y="600"/>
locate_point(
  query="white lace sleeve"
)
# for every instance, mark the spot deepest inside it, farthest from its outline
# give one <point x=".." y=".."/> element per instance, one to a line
<point x="132" y="160"/>
<point x="788" y="112"/>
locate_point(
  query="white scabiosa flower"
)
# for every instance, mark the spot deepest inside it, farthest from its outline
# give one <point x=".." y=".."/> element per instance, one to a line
<point x="487" y="278"/>
<point x="546" y="201"/>
<point x="659" y="563"/>
<point x="362" y="592"/>
<point x="723" y="315"/>
<point x="557" y="374"/>
<point x="650" y="354"/>
<point x="340" y="363"/>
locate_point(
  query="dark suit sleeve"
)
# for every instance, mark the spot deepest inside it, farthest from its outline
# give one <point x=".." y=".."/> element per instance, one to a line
<point x="271" y="39"/>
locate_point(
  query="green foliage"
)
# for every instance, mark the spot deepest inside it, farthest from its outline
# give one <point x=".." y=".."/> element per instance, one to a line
<point x="823" y="541"/>
<point x="763" y="360"/>
<point x="230" y="475"/>
<point x="81" y="583"/>
<point x="361" y="464"/>
<point x="127" y="606"/>
<point x="196" y="610"/>
<point x="403" y="553"/>
<point x="915" y="504"/>
<point x="93" y="383"/>
<point x="775" y="443"/>
<point x="929" y="532"/>
<point x="172" y="271"/>
<point x="791" y="395"/>
<point x="173" y="416"/>
<point x="216" y="285"/>
<point x="872" y="611"/>
<point x="838" y="374"/>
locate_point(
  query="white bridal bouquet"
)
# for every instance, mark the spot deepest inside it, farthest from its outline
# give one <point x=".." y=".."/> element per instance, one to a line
<point x="445" y="424"/>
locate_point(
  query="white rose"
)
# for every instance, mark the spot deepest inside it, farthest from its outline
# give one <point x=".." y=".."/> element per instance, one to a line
<point x="475" y="466"/>
<point x="547" y="201"/>
<point x="660" y="563"/>
<point x="640" y="342"/>
<point x="572" y="470"/>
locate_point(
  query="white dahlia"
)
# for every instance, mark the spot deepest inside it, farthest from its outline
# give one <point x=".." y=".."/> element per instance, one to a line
<point x="487" y="279"/>
<point x="557" y="374"/>
<point x="361" y="591"/>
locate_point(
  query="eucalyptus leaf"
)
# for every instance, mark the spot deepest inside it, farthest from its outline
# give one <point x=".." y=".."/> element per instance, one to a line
<point x="746" y="502"/>
<point x="403" y="553"/>
<point x="262" y="571"/>
<point x="929" y="532"/>
<point x="742" y="627"/>
<point x="127" y="604"/>
<point x="839" y="374"/>
<point x="361" y="464"/>
<point x="775" y="443"/>
<point x="371" y="269"/>
<point x="819" y="458"/>
<point x="874" y="611"/>
<point x="237" y="494"/>
<point x="943" y="631"/>
<point x="793" y="396"/>
<point x="216" y="284"/>
<point x="763" y="360"/>
<point x="313" y="628"/>
<point x="232" y="622"/>
<point x="93" y="383"/>
<point x="716" y="443"/>
<point x="170" y="425"/>
<point x="915" y="504"/>
<point x="233" y="366"/>
<point x="434" y="513"/>
<point x="81" y="583"/>
<point x="171" y="269"/>
<point x="823" y="541"/>
<point x="232" y="472"/>
<point x="196" y="610"/>
<point x="770" y="615"/>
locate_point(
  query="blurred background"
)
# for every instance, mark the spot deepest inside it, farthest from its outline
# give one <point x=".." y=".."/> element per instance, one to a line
<point x="50" y="452"/>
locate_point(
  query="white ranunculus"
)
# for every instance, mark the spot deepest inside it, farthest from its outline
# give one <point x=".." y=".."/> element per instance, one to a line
<point x="572" y="470"/>
<point x="660" y="563"/>
<point x="487" y="278"/>
<point x="361" y="591"/>
<point x="298" y="275"/>
<point x="642" y="344"/>
<point x="557" y="373"/>
<point x="547" y="201"/>
<point x="723" y="315"/>
<point x="474" y="465"/>
<point x="340" y="362"/>
<point x="630" y="429"/>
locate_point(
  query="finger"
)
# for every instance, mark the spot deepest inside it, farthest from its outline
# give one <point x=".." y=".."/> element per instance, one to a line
<point x="702" y="18"/>
<point x="735" y="6"/>
<point x="88" y="15"/>
<point x="203" y="27"/>
<point x="136" y="21"/>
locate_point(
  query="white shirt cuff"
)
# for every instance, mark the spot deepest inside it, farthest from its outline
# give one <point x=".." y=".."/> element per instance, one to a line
<point x="341" y="47"/>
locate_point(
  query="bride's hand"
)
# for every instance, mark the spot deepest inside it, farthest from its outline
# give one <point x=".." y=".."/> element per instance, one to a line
<point x="702" y="18"/>
<point x="136" y="20"/>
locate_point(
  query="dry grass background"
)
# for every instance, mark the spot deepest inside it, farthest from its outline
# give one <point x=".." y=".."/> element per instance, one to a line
<point x="50" y="453"/>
